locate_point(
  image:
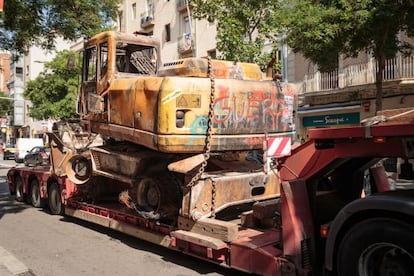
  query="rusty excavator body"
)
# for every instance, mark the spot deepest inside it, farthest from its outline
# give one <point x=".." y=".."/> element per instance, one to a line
<point x="177" y="142"/>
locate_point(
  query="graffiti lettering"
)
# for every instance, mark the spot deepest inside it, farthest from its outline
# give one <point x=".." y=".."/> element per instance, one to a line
<point x="198" y="126"/>
<point x="254" y="109"/>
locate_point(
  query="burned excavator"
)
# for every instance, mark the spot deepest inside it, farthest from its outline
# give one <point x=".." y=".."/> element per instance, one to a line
<point x="181" y="139"/>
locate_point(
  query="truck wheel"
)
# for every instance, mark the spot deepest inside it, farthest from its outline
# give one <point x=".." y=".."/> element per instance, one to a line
<point x="20" y="196"/>
<point x="378" y="246"/>
<point x="55" y="201"/>
<point x="36" y="200"/>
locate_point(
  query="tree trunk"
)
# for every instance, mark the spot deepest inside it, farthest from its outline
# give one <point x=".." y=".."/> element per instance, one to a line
<point x="379" y="81"/>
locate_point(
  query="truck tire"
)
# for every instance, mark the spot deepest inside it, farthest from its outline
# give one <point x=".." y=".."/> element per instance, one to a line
<point x="36" y="200"/>
<point x="378" y="246"/>
<point x="20" y="196"/>
<point x="55" y="200"/>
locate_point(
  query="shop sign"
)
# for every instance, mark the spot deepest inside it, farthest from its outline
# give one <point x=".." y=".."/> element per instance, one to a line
<point x="332" y="120"/>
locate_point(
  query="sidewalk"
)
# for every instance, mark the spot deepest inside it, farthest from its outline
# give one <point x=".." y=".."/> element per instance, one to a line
<point x="11" y="266"/>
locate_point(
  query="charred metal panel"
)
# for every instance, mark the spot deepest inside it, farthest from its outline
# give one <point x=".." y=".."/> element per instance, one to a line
<point x="146" y="104"/>
<point x="144" y="112"/>
<point x="198" y="67"/>
<point x="121" y="104"/>
<point x="124" y="162"/>
<point x="231" y="188"/>
<point x="239" y="107"/>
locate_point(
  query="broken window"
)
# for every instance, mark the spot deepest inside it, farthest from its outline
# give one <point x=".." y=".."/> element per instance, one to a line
<point x="104" y="59"/>
<point x="139" y="59"/>
<point x="91" y="64"/>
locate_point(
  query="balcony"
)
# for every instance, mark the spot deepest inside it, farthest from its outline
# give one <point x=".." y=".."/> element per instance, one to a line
<point x="182" y="6"/>
<point x="186" y="43"/>
<point x="147" y="20"/>
<point x="357" y="82"/>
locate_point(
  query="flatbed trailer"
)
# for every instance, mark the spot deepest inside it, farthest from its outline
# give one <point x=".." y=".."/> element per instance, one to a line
<point x="253" y="251"/>
<point x="320" y="223"/>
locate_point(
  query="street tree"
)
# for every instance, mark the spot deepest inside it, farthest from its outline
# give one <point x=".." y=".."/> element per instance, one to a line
<point x="324" y="30"/>
<point x="243" y="27"/>
<point x="6" y="104"/>
<point x="24" y="23"/>
<point x="54" y="92"/>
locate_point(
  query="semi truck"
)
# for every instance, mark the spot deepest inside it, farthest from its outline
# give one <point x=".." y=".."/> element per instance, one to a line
<point x="197" y="155"/>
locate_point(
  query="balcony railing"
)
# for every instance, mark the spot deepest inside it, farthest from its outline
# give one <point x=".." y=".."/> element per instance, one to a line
<point x="359" y="74"/>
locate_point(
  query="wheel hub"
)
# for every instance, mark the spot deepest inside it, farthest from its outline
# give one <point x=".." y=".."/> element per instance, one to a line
<point x="385" y="259"/>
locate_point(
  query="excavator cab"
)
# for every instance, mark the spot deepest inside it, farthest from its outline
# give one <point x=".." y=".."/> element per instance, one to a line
<point x="109" y="56"/>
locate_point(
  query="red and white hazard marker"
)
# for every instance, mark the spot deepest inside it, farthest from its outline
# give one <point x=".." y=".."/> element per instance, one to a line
<point x="278" y="146"/>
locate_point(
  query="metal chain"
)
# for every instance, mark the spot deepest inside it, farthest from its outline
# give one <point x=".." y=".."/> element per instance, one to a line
<point x="209" y="130"/>
<point x="213" y="197"/>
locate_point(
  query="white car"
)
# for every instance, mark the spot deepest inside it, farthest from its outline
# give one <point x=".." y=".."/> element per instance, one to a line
<point x="23" y="145"/>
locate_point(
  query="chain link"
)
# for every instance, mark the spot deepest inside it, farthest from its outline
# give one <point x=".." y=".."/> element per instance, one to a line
<point x="209" y="134"/>
<point x="209" y="130"/>
<point x="213" y="197"/>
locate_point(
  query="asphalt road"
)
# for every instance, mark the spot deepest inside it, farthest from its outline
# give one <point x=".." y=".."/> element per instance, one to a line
<point x="56" y="245"/>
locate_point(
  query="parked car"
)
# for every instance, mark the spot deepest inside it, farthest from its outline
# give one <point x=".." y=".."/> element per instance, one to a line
<point x="37" y="156"/>
<point x="24" y="145"/>
<point x="9" y="151"/>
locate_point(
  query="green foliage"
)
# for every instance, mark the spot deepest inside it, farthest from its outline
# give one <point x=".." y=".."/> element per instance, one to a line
<point x="54" y="92"/>
<point x="243" y="27"/>
<point x="324" y="30"/>
<point x="27" y="22"/>
<point x="312" y="30"/>
<point x="6" y="105"/>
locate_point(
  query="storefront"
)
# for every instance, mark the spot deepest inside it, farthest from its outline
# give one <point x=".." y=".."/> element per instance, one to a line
<point x="327" y="116"/>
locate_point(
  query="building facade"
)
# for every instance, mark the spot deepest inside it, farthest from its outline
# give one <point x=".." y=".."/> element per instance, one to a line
<point x="4" y="70"/>
<point x="27" y="68"/>
<point x="183" y="36"/>
<point x="4" y="79"/>
<point x="347" y="95"/>
<point x="171" y="22"/>
<point x="15" y="89"/>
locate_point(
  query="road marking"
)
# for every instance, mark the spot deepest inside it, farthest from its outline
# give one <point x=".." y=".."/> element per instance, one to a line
<point x="6" y="166"/>
<point x="12" y="263"/>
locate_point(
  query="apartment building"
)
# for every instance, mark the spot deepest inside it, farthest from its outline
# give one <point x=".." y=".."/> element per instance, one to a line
<point x="27" y="68"/>
<point x="343" y="97"/>
<point x="347" y="95"/>
<point x="171" y="22"/>
<point x="183" y="36"/>
<point x="4" y="70"/>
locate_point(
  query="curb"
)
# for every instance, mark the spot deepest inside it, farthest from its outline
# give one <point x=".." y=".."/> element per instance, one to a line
<point x="12" y="264"/>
